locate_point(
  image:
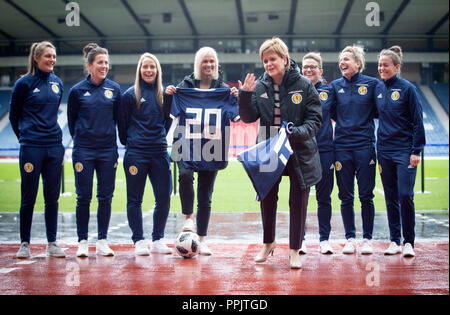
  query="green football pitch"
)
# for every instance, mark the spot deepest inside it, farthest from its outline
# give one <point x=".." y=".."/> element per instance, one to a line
<point x="233" y="191"/>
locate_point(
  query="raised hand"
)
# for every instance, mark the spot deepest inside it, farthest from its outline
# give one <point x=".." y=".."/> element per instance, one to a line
<point x="249" y="83"/>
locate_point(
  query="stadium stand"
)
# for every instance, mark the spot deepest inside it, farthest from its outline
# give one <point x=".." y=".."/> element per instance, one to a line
<point x="441" y="92"/>
<point x="437" y="145"/>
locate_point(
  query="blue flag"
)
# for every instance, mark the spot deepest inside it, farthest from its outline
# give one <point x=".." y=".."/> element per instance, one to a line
<point x="266" y="161"/>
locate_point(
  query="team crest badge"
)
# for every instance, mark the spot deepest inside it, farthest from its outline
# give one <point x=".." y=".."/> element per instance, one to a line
<point x="296" y="98"/>
<point x="323" y="96"/>
<point x="78" y="167"/>
<point x="55" y="88"/>
<point x="395" y="95"/>
<point x="380" y="169"/>
<point x="362" y="90"/>
<point x="108" y="94"/>
<point x="133" y="170"/>
<point x="28" y="167"/>
<point x="338" y="166"/>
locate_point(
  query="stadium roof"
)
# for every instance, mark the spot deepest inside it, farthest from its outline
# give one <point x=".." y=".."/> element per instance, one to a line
<point x="154" y="23"/>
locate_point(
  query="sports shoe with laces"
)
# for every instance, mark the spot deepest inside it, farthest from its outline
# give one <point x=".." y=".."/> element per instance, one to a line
<point x="349" y="247"/>
<point x="393" y="249"/>
<point x="83" y="249"/>
<point x="53" y="250"/>
<point x="24" y="250"/>
<point x="366" y="248"/>
<point x="325" y="247"/>
<point x="204" y="249"/>
<point x="408" y="250"/>
<point x="141" y="248"/>
<point x="103" y="249"/>
<point x="188" y="226"/>
<point x="160" y="247"/>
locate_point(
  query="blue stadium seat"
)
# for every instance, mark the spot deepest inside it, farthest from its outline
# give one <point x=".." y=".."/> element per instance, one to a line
<point x="436" y="135"/>
<point x="441" y="92"/>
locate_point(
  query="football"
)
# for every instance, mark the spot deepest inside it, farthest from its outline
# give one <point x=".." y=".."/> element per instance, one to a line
<point x="187" y="244"/>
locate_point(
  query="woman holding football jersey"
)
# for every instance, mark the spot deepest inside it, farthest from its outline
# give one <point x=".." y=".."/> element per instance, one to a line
<point x="206" y="76"/>
<point x="141" y="128"/>
<point x="92" y="115"/>
<point x="283" y="94"/>
<point x="33" y="114"/>
<point x="400" y="139"/>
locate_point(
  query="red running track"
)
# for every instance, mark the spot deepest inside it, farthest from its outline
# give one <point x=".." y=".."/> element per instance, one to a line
<point x="230" y="271"/>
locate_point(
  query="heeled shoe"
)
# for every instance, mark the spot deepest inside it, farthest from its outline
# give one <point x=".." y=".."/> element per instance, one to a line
<point x="265" y="252"/>
<point x="294" y="259"/>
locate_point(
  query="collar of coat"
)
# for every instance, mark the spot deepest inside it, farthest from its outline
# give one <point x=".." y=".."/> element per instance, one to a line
<point x="291" y="75"/>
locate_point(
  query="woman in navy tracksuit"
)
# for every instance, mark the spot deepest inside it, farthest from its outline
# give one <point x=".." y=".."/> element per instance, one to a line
<point x="33" y="114"/>
<point x="142" y="122"/>
<point x="354" y="108"/>
<point x="312" y="69"/>
<point x="400" y="139"/>
<point x="92" y="110"/>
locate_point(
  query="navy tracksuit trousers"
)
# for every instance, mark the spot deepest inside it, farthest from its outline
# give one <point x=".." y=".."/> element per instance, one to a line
<point x="398" y="179"/>
<point x="362" y="164"/>
<point x="324" y="188"/>
<point x="33" y="162"/>
<point x="104" y="163"/>
<point x="137" y="167"/>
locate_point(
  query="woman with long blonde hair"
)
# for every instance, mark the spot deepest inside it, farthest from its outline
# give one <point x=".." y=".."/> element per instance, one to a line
<point x="142" y="122"/>
<point x="35" y="100"/>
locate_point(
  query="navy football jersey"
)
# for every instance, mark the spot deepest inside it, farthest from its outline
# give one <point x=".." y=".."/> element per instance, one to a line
<point x="203" y="128"/>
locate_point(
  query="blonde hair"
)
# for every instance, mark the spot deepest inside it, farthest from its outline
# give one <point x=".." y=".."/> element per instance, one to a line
<point x="158" y="81"/>
<point x="36" y="50"/>
<point x="395" y="53"/>
<point x="358" y="54"/>
<point x="276" y="45"/>
<point x="199" y="56"/>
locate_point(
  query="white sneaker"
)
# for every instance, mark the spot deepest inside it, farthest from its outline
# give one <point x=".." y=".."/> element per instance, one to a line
<point x="325" y="247"/>
<point x="160" y="247"/>
<point x="141" y="248"/>
<point x="408" y="250"/>
<point x="24" y="250"/>
<point x="303" y="250"/>
<point x="393" y="249"/>
<point x="204" y="249"/>
<point x="349" y="247"/>
<point x="83" y="249"/>
<point x="366" y="248"/>
<point x="103" y="249"/>
<point x="188" y="226"/>
<point x="54" y="250"/>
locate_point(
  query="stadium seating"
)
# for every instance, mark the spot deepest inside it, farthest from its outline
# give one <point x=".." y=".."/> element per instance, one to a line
<point x="436" y="135"/>
<point x="437" y="144"/>
<point x="441" y="92"/>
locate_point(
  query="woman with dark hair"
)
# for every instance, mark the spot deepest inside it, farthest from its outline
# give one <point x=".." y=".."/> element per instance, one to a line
<point x="92" y="115"/>
<point x="33" y="114"/>
<point x="141" y="128"/>
<point x="400" y="139"/>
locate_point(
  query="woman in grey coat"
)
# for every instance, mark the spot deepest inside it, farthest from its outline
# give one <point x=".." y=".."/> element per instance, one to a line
<point x="283" y="94"/>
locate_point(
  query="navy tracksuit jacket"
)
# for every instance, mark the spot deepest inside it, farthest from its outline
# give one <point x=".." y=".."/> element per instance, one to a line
<point x="324" y="139"/>
<point x="33" y="114"/>
<point x="143" y="132"/>
<point x="92" y="115"/>
<point x="400" y="134"/>
<point x="353" y="107"/>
